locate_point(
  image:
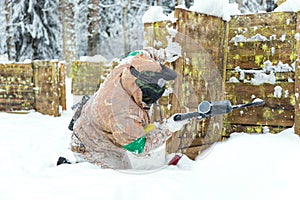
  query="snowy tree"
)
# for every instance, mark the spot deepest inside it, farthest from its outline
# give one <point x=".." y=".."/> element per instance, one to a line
<point x="11" y="50"/>
<point x="93" y="26"/>
<point x="81" y="27"/>
<point x="68" y="31"/>
<point x="3" y="46"/>
<point x="251" y="6"/>
<point x="120" y="29"/>
<point x="36" y="29"/>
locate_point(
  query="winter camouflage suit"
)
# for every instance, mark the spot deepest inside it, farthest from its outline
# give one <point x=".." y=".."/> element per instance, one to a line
<point x="116" y="116"/>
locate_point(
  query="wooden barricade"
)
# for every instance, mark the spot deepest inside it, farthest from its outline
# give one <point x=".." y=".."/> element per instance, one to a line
<point x="48" y="88"/>
<point x="38" y="85"/>
<point x="255" y="57"/>
<point x="200" y="75"/>
<point x="87" y="76"/>
<point x="261" y="59"/>
<point x="16" y="87"/>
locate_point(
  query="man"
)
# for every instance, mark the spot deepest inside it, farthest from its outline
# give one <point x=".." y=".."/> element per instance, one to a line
<point x="114" y="124"/>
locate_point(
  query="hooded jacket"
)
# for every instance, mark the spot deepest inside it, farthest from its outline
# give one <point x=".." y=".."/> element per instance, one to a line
<point x="116" y="116"/>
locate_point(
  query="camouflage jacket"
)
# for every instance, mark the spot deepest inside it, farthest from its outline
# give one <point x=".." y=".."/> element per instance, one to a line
<point x="115" y="116"/>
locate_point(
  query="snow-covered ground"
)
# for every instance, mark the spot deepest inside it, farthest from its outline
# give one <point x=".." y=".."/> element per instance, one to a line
<point x="244" y="167"/>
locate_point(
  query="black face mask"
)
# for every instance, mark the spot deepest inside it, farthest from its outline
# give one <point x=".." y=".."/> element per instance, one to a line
<point x="152" y="84"/>
<point x="151" y="92"/>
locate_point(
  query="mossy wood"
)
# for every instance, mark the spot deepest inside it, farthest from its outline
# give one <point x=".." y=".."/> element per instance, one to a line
<point x="277" y="43"/>
<point x="38" y="85"/>
<point x="267" y="37"/>
<point x="87" y="77"/>
<point x="16" y="88"/>
<point x="200" y="75"/>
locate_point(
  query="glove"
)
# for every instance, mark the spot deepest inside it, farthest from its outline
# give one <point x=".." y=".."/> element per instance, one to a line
<point x="174" y="126"/>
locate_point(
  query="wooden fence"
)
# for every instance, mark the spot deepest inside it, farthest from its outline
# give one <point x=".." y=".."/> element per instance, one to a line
<point x="251" y="56"/>
<point x="38" y="85"/>
<point x="256" y="56"/>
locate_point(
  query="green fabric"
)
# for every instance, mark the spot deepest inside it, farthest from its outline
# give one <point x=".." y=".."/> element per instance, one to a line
<point x="134" y="53"/>
<point x="136" y="146"/>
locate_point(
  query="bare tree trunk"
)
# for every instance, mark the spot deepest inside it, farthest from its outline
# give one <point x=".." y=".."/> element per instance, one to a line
<point x="93" y="27"/>
<point x="68" y="33"/>
<point x="124" y="27"/>
<point x="11" y="49"/>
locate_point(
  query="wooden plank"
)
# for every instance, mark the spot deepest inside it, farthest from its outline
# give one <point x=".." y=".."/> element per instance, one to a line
<point x="252" y="55"/>
<point x="280" y="76"/>
<point x="262" y="116"/>
<point x="274" y="32"/>
<point x="261" y="48"/>
<point x="255" y="61"/>
<point x="262" y="19"/>
<point x="243" y="93"/>
<point x="276" y="111"/>
<point x="46" y="80"/>
<point x="62" y="86"/>
<point x="12" y="104"/>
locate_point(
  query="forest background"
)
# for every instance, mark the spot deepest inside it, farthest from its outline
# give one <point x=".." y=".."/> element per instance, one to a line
<point x="68" y="29"/>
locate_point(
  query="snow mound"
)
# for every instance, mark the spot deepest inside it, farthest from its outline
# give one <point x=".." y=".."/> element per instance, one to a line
<point x="95" y="58"/>
<point x="154" y="14"/>
<point x="219" y="8"/>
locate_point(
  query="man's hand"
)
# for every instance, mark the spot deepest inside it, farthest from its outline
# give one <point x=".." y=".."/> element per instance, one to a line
<point x="173" y="125"/>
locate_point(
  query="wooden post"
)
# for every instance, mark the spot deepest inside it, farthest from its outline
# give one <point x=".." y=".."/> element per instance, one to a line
<point x="297" y="81"/>
<point x="62" y="86"/>
<point x="46" y="87"/>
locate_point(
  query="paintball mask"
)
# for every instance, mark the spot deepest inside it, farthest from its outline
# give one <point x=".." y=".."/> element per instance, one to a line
<point x="153" y="84"/>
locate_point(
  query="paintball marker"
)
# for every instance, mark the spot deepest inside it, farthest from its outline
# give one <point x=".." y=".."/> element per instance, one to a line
<point x="79" y="107"/>
<point x="210" y="109"/>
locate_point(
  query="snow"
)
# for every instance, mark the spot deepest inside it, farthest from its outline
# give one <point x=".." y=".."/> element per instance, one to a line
<point x="241" y="38"/>
<point x="95" y="58"/>
<point x="4" y="58"/>
<point x="219" y="8"/>
<point x="266" y="75"/>
<point x="246" y="166"/>
<point x="243" y="167"/>
<point x="289" y="6"/>
<point x="277" y="91"/>
<point x="154" y="14"/>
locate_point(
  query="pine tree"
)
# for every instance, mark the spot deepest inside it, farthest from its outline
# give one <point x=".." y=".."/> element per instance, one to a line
<point x="67" y="8"/>
<point x="3" y="45"/>
<point x="251" y="6"/>
<point x="36" y="29"/>
<point x="81" y="27"/>
<point x="93" y="26"/>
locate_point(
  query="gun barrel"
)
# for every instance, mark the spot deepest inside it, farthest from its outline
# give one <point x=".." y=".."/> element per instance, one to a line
<point x="255" y="103"/>
<point x="190" y="115"/>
